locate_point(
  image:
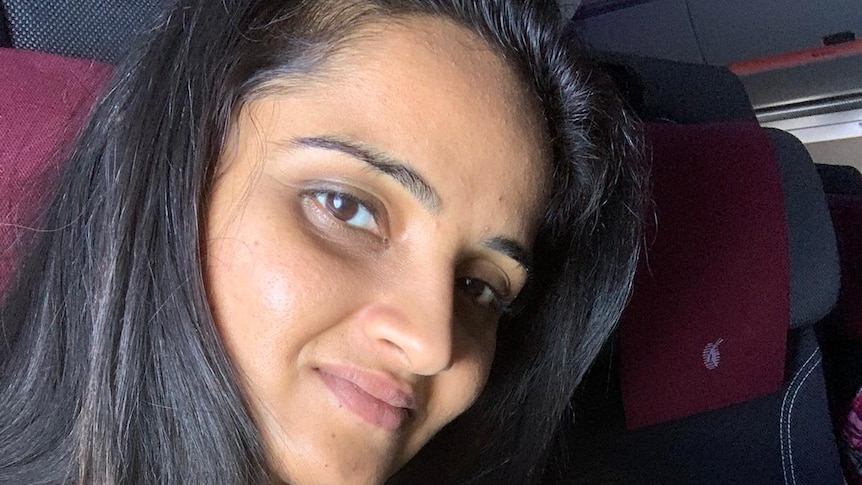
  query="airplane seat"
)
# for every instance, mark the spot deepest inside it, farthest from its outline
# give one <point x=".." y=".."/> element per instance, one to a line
<point x="88" y="29"/>
<point x="46" y="98"/>
<point x="814" y="253"/>
<point x="666" y="403"/>
<point x="779" y="435"/>
<point x="716" y="374"/>
<point x="661" y="90"/>
<point x="841" y="334"/>
<point x="840" y="179"/>
<point x="50" y="81"/>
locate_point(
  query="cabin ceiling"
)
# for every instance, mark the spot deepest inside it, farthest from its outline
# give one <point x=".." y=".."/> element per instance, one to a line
<point x="712" y="32"/>
<point x="722" y="33"/>
<point x="814" y="95"/>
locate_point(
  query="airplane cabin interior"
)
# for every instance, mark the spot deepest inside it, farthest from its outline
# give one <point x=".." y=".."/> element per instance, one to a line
<point x="739" y="357"/>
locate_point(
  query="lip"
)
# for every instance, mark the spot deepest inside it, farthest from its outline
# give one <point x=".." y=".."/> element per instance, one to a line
<point x="376" y="398"/>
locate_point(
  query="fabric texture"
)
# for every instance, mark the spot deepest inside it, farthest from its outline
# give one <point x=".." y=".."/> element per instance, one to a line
<point x="45" y="100"/>
<point x="91" y="29"/>
<point x="708" y="321"/>
<point x="784" y="438"/>
<point x="815" y="273"/>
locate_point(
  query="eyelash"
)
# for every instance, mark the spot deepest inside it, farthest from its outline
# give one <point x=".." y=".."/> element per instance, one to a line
<point x="498" y="303"/>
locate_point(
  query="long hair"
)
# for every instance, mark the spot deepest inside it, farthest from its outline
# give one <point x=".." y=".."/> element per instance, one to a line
<point x="111" y="368"/>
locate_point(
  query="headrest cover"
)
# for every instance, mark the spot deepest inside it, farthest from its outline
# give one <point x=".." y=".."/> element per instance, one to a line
<point x="815" y="275"/>
<point x="44" y="101"/>
<point x="707" y="324"/>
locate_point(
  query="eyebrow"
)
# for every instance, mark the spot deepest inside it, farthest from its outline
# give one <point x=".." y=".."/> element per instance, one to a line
<point x="412" y="182"/>
<point x="512" y="249"/>
<point x="380" y="161"/>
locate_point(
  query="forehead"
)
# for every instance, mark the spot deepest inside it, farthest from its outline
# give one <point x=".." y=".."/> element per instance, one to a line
<point x="436" y="95"/>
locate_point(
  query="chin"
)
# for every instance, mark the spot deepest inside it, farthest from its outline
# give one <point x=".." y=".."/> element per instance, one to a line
<point x="356" y="471"/>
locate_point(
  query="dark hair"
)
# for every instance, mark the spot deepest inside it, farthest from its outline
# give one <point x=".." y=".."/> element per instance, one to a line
<point x="112" y="370"/>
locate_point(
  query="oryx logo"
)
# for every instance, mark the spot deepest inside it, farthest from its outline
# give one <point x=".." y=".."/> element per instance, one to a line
<point x="711" y="355"/>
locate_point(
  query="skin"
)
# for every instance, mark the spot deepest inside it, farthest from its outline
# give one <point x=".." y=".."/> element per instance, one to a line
<point x="297" y="282"/>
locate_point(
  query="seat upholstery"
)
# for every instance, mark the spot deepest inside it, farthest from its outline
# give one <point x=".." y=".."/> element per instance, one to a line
<point x="815" y="272"/>
<point x="844" y="366"/>
<point x="783" y="436"/>
<point x="843" y="184"/>
<point x="46" y="98"/>
<point x="841" y="333"/>
<point x="840" y="179"/>
<point x="679" y="92"/>
<point x="847" y="217"/>
<point x="780" y="437"/>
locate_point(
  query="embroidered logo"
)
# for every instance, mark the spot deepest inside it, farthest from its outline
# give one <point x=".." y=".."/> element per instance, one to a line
<point x="711" y="354"/>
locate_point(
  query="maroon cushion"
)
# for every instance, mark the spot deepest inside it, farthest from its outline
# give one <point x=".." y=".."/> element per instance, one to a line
<point x="846" y="213"/>
<point x="43" y="103"/>
<point x="707" y="325"/>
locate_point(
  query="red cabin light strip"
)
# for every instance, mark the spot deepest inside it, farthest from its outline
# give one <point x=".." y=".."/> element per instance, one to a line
<point x="798" y="58"/>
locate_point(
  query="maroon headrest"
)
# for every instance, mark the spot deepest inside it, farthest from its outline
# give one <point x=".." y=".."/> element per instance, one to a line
<point x="708" y="321"/>
<point x="846" y="213"/>
<point x="43" y="103"/>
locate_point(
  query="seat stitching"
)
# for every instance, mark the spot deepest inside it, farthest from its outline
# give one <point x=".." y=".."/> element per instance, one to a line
<point x="790" y="411"/>
<point x="781" y="418"/>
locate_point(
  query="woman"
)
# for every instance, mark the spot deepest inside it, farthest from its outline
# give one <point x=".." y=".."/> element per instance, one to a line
<point x="301" y="241"/>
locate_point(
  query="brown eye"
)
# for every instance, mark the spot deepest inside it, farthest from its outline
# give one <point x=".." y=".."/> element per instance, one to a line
<point x="482" y="293"/>
<point x="347" y="209"/>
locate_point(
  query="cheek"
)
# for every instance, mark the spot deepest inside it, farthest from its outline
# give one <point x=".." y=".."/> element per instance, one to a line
<point x="248" y="302"/>
<point x="449" y="395"/>
<point x="256" y="302"/>
<point x="457" y="389"/>
<point x="476" y="375"/>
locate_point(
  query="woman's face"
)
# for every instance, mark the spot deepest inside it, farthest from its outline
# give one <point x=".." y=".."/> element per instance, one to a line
<point x="365" y="227"/>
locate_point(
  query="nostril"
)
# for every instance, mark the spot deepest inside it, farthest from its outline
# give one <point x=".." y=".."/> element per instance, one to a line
<point x="394" y="348"/>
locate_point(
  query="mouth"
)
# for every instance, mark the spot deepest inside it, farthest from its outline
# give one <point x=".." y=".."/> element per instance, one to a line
<point x="376" y="399"/>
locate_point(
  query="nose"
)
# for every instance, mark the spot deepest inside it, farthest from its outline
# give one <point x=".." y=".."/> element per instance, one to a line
<point x="412" y="325"/>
